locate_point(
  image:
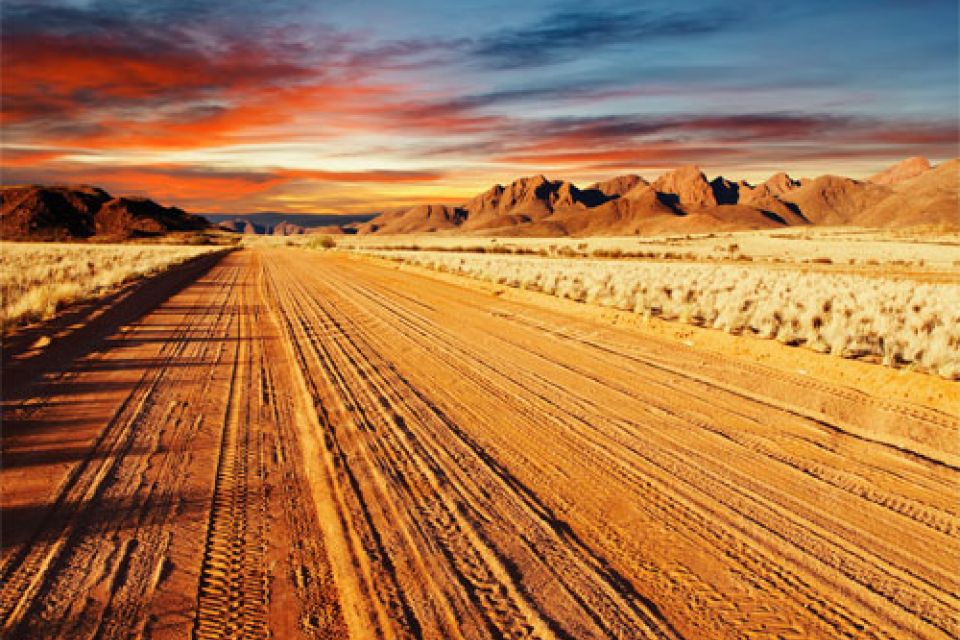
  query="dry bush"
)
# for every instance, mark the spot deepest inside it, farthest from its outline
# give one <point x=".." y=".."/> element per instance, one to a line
<point x="320" y="242"/>
<point x="898" y="323"/>
<point x="36" y="280"/>
<point x="838" y="244"/>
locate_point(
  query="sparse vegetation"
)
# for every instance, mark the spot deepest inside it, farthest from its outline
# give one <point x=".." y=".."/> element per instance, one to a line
<point x="896" y="323"/>
<point x="839" y="245"/>
<point x="36" y="280"/>
<point x="321" y="242"/>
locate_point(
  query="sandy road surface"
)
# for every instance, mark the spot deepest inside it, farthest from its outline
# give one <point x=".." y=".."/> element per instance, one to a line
<point x="309" y="445"/>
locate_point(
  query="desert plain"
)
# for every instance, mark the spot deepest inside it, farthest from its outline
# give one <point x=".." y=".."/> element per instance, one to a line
<point x="371" y="441"/>
<point x="484" y="320"/>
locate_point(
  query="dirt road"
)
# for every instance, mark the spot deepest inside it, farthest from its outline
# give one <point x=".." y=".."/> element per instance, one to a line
<point x="307" y="445"/>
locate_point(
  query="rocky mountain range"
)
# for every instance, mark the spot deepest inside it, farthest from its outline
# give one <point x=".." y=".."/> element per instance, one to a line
<point x="249" y="227"/>
<point x="63" y="212"/>
<point x="909" y="193"/>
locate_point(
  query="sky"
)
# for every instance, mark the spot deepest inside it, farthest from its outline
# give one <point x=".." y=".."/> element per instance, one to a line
<point x="348" y="107"/>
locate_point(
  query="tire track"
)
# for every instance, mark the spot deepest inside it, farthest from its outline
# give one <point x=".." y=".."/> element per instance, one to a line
<point x="667" y="514"/>
<point x="558" y="392"/>
<point x="29" y="572"/>
<point x="123" y="550"/>
<point x="318" y="447"/>
<point x="393" y="392"/>
<point x="233" y="591"/>
<point x="696" y="457"/>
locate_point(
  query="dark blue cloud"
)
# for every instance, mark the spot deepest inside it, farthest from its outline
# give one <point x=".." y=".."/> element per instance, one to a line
<point x="570" y="32"/>
<point x="56" y="15"/>
<point x="206" y="27"/>
<point x="559" y="92"/>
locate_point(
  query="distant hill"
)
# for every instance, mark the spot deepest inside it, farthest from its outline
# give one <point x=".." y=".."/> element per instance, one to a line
<point x="271" y="223"/>
<point x="910" y="193"/>
<point x="929" y="197"/>
<point x="63" y="212"/>
<point x="904" y="170"/>
<point x="683" y="200"/>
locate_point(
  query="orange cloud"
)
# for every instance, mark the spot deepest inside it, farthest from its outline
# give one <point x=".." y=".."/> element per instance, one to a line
<point x="148" y="92"/>
<point x="635" y="155"/>
<point x="28" y="157"/>
<point x="259" y="116"/>
<point x="131" y="69"/>
<point x="203" y="189"/>
<point x="374" y="176"/>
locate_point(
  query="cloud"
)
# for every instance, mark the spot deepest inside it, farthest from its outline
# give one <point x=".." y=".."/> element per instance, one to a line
<point x="563" y="33"/>
<point x="29" y="157"/>
<point x="200" y="188"/>
<point x="490" y="112"/>
<point x="728" y="139"/>
<point x="269" y="176"/>
<point x="59" y="70"/>
<point x="165" y="74"/>
<point x="571" y="140"/>
<point x="661" y="154"/>
<point x="566" y="92"/>
<point x="746" y="127"/>
<point x="570" y="32"/>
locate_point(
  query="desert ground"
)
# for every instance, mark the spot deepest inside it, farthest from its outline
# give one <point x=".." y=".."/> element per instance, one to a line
<point x="288" y="442"/>
<point x="846" y="248"/>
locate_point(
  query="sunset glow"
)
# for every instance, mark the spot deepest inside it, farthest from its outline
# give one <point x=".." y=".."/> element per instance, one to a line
<point x="299" y="107"/>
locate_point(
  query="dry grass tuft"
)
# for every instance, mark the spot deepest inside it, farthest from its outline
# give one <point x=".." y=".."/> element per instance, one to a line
<point x="37" y="280"/>
<point x="895" y="323"/>
<point x="320" y="242"/>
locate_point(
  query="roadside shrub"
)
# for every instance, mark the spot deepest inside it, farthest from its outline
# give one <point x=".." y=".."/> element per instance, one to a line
<point x="37" y="280"/>
<point x="896" y="323"/>
<point x="321" y="242"/>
